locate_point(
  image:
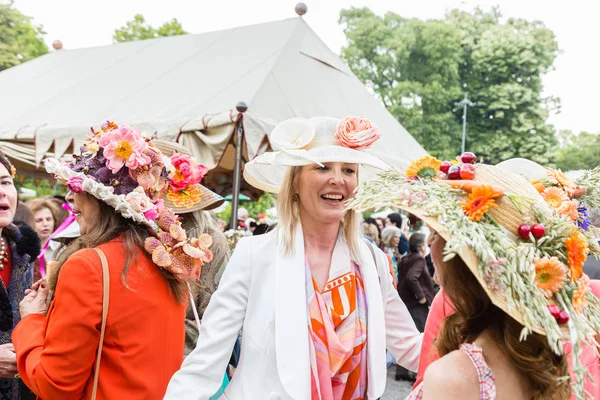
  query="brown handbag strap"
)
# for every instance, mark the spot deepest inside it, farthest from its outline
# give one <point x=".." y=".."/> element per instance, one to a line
<point x="105" y="298"/>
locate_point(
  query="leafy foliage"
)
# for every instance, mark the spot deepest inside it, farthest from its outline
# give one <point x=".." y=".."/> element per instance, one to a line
<point x="139" y="29"/>
<point x="578" y="151"/>
<point x="43" y="187"/>
<point x="420" y="69"/>
<point x="20" y="40"/>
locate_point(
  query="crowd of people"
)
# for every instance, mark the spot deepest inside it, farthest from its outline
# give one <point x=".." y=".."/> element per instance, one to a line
<point x="474" y="288"/>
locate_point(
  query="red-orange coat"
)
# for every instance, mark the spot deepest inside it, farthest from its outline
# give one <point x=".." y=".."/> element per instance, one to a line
<point x="143" y="343"/>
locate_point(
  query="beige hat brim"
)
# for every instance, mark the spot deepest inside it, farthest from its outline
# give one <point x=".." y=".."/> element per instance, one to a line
<point x="209" y="200"/>
<point x="266" y="172"/>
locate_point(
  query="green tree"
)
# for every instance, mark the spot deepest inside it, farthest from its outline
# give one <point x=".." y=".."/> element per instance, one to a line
<point x="20" y="40"/>
<point x="578" y="151"/>
<point x="420" y="69"/>
<point x="139" y="29"/>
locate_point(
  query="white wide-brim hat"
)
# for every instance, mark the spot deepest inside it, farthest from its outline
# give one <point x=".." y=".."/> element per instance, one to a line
<point x="301" y="141"/>
<point x="524" y="167"/>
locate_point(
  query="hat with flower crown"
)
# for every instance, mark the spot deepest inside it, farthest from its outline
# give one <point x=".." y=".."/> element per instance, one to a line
<point x="525" y="244"/>
<point x="122" y="168"/>
<point x="301" y="141"/>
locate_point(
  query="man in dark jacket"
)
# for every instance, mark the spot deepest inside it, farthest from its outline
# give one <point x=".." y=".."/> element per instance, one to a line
<point x="395" y="219"/>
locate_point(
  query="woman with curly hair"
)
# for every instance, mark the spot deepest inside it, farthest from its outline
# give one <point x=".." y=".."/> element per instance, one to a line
<point x="510" y="262"/>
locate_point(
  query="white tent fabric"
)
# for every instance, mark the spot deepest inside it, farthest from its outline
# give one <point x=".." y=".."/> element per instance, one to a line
<point x="187" y="87"/>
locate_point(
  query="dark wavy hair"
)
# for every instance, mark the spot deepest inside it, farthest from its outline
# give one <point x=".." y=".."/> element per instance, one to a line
<point x="108" y="226"/>
<point x="474" y="313"/>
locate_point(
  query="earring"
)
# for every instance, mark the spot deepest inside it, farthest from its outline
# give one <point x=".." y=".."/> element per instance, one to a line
<point x="295" y="197"/>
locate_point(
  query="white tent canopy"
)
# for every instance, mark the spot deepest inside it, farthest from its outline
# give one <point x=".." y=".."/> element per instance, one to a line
<point x="187" y="87"/>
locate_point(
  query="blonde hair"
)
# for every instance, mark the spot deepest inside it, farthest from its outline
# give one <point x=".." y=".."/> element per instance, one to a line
<point x="371" y="231"/>
<point x="289" y="217"/>
<point x="388" y="233"/>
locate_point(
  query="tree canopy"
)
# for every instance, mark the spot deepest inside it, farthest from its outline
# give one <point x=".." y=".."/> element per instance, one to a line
<point x="421" y="69"/>
<point x="577" y="152"/>
<point x="20" y="40"/>
<point x="139" y="29"/>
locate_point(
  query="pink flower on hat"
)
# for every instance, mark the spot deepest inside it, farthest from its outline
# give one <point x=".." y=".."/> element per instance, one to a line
<point x="186" y="172"/>
<point x="74" y="184"/>
<point x="124" y="146"/>
<point x="141" y="203"/>
<point x="356" y="133"/>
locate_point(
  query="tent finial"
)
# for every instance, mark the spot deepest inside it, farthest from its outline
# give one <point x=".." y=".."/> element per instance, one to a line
<point x="241" y="107"/>
<point x="301" y="9"/>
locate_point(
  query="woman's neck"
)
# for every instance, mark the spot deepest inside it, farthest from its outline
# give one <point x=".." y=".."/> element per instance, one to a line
<point x="317" y="235"/>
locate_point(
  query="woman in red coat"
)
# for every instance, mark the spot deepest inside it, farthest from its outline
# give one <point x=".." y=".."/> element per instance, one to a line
<point x="144" y="337"/>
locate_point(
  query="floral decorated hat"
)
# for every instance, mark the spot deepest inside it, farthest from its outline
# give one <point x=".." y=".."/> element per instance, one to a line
<point x="525" y="248"/>
<point x="122" y="168"/>
<point x="300" y="141"/>
<point x="185" y="194"/>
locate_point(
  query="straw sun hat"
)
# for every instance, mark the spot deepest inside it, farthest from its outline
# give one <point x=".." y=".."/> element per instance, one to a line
<point x="301" y="141"/>
<point x="205" y="199"/>
<point x="524" y="241"/>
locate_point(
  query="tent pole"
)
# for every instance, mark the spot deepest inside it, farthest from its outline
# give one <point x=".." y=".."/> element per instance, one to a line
<point x="241" y="107"/>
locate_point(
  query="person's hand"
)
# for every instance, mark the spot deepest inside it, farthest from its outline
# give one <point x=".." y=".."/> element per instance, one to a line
<point x="34" y="301"/>
<point x="8" y="361"/>
<point x="423" y="300"/>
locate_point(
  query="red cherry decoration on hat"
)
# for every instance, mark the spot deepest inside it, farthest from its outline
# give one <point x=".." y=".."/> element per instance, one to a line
<point x="563" y="317"/>
<point x="454" y="172"/>
<point x="445" y="166"/>
<point x="538" y="231"/>
<point x="468" y="158"/>
<point x="467" y="171"/>
<point x="523" y="231"/>
<point x="554" y="310"/>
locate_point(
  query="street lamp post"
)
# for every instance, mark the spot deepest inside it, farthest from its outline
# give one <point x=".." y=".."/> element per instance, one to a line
<point x="464" y="103"/>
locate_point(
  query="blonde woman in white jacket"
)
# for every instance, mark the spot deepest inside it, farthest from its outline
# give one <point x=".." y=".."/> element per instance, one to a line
<point x="314" y="301"/>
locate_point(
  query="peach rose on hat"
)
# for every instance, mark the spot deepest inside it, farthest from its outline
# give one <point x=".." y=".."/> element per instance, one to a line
<point x="356" y="133"/>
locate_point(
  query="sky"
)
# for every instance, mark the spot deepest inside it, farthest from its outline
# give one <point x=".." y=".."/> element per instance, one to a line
<point x="575" y="79"/>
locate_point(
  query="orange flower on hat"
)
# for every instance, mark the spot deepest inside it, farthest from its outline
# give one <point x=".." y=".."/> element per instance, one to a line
<point x="539" y="186"/>
<point x="568" y="209"/>
<point x="550" y="275"/>
<point x="480" y="200"/>
<point x="557" y="177"/>
<point x="579" y="301"/>
<point x="554" y="196"/>
<point x="577" y="251"/>
<point x="185" y="198"/>
<point x="424" y="167"/>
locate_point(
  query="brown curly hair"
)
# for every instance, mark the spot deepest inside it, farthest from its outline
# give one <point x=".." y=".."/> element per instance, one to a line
<point x="474" y="313"/>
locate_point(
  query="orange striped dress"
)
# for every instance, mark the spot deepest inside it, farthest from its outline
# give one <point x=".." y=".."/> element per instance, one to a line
<point x="338" y="332"/>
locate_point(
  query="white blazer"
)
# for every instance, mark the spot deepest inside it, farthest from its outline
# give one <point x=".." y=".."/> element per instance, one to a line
<point x="262" y="293"/>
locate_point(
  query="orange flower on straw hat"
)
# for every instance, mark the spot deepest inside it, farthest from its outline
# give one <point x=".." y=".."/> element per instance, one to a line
<point x="185" y="198"/>
<point x="579" y="301"/>
<point x="538" y="185"/>
<point x="480" y="200"/>
<point x="554" y="196"/>
<point x="568" y="209"/>
<point x="577" y="251"/>
<point x="557" y="177"/>
<point x="550" y="275"/>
